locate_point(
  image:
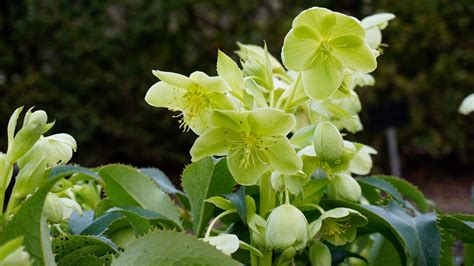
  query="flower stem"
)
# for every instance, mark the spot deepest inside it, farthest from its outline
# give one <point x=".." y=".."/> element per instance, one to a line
<point x="267" y="202"/>
<point x="218" y="217"/>
<point x="266" y="259"/>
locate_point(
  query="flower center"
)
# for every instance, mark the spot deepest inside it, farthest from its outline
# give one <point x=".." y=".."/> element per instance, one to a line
<point x="194" y="102"/>
<point x="251" y="145"/>
<point x="332" y="228"/>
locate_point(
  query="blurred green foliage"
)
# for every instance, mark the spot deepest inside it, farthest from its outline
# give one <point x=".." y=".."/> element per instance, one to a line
<point x="88" y="64"/>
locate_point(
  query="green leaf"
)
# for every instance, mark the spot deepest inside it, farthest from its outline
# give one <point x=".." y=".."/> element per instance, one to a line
<point x="30" y="223"/>
<point x="125" y="186"/>
<point x="238" y="200"/>
<point x="415" y="235"/>
<point x="220" y="202"/>
<point x="459" y="226"/>
<point x="139" y="219"/>
<point x="410" y="191"/>
<point x="381" y="184"/>
<point x="72" y="249"/>
<point x="383" y="253"/>
<point x="202" y="180"/>
<point x="68" y="170"/>
<point x="172" y="248"/>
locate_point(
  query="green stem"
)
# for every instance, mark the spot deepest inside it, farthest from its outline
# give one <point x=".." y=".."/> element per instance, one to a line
<point x="266" y="259"/>
<point x="218" y="217"/>
<point x="267" y="195"/>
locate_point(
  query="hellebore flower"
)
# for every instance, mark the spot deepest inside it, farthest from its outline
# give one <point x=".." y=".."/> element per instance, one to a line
<point x="253" y="141"/>
<point x="195" y="97"/>
<point x="338" y="226"/>
<point x="322" y="44"/>
<point x="343" y="186"/>
<point x="13" y="253"/>
<point x="286" y="227"/>
<point x="361" y="163"/>
<point x="373" y="26"/>
<point x="319" y="255"/>
<point x="227" y="243"/>
<point x="57" y="209"/>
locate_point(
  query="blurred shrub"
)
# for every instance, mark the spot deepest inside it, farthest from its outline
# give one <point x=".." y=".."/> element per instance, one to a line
<point x="88" y="64"/>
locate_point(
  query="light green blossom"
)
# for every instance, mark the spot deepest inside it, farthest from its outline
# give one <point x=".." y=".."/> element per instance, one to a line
<point x="12" y="253"/>
<point x="195" y="97"/>
<point x="286" y="227"/>
<point x="57" y="209"/>
<point x="254" y="141"/>
<point x="227" y="243"/>
<point x="373" y="26"/>
<point x="361" y="163"/>
<point x="338" y="226"/>
<point x="322" y="44"/>
<point x="344" y="187"/>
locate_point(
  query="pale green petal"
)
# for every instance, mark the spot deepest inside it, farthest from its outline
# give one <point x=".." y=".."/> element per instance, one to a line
<point x="346" y="25"/>
<point x="467" y="105"/>
<point x="377" y="20"/>
<point x="209" y="84"/>
<point x="245" y="175"/>
<point x="271" y="122"/>
<point x="361" y="163"/>
<point x="323" y="78"/>
<point x="234" y="120"/>
<point x="211" y="142"/>
<point x="164" y="95"/>
<point x="227" y="243"/>
<point x="174" y="79"/>
<point x="230" y="72"/>
<point x="282" y="156"/>
<point x="12" y="125"/>
<point x="313" y="18"/>
<point x="220" y="101"/>
<point x="353" y="53"/>
<point x="373" y="37"/>
<point x="200" y="122"/>
<point x="298" y="54"/>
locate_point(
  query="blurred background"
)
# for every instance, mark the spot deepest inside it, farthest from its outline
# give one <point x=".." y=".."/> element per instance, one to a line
<point x="88" y="64"/>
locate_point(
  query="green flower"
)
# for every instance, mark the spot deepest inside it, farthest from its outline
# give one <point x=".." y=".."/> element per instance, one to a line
<point x="338" y="226"/>
<point x="254" y="141"/>
<point x="195" y="97"/>
<point x="344" y="187"/>
<point x="286" y="227"/>
<point x="13" y="253"/>
<point x="322" y="44"/>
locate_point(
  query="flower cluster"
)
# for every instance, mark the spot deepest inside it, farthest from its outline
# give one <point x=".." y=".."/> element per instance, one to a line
<point x="285" y="121"/>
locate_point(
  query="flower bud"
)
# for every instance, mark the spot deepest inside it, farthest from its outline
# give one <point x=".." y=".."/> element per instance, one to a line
<point x="328" y="142"/>
<point x="344" y="187"/>
<point x="57" y="209"/>
<point x="319" y="255"/>
<point x="13" y="253"/>
<point x="34" y="125"/>
<point x="361" y="163"/>
<point x="286" y="227"/>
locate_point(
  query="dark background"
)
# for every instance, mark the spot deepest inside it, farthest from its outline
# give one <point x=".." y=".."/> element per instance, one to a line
<point x="88" y="64"/>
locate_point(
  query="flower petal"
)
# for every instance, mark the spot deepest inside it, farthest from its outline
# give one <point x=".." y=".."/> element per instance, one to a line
<point x="233" y="120"/>
<point x="164" y="95"/>
<point x="211" y="142"/>
<point x="298" y="54"/>
<point x="227" y="243"/>
<point x="346" y="25"/>
<point x="209" y="84"/>
<point x="271" y="122"/>
<point x="282" y="156"/>
<point x="354" y="53"/>
<point x="245" y="175"/>
<point x="314" y="18"/>
<point x="174" y="79"/>
<point x="323" y="78"/>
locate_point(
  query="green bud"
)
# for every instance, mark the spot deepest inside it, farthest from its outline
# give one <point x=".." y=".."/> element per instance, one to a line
<point x="34" y="125"/>
<point x="31" y="176"/>
<point x="344" y="187"/>
<point x="256" y="225"/>
<point x="286" y="257"/>
<point x="286" y="227"/>
<point x="12" y="253"/>
<point x="57" y="209"/>
<point x="338" y="226"/>
<point x="319" y="255"/>
<point x="328" y="142"/>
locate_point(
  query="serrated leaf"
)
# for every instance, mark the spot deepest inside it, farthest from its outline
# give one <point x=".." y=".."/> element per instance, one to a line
<point x="126" y="187"/>
<point x="238" y="200"/>
<point x="459" y="226"/>
<point x="410" y="191"/>
<point x="30" y="223"/>
<point x="72" y="249"/>
<point x="381" y="184"/>
<point x="139" y="219"/>
<point x="220" y="202"/>
<point x="172" y="248"/>
<point x="67" y="170"/>
<point x="202" y="180"/>
<point x="415" y="235"/>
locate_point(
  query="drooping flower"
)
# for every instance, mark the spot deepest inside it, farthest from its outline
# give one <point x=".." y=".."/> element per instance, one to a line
<point x="286" y="227"/>
<point x="227" y="243"/>
<point x="57" y="209"/>
<point x="338" y="226"/>
<point x="322" y="44"/>
<point x="253" y="141"/>
<point x="467" y="105"/>
<point x="345" y="187"/>
<point x="361" y="163"/>
<point x="195" y="97"/>
<point x="13" y="253"/>
<point x="373" y="26"/>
